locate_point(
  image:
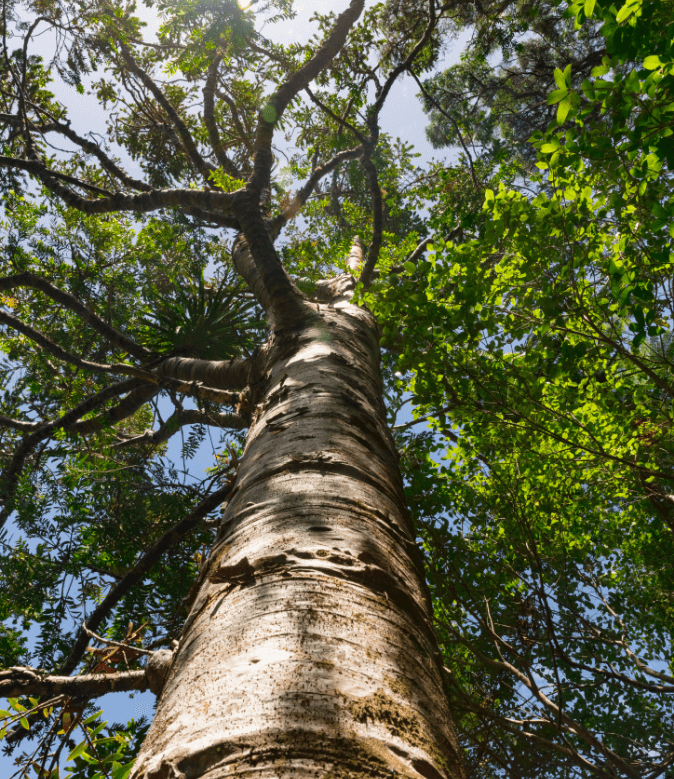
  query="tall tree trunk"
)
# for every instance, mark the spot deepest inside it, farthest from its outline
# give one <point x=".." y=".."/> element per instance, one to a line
<point x="309" y="650"/>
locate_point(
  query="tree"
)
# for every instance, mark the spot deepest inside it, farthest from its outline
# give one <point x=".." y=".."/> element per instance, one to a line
<point x="308" y="640"/>
<point x="532" y="332"/>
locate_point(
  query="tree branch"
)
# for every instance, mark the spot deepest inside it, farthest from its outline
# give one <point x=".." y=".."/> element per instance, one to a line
<point x="303" y="194"/>
<point x="89" y="146"/>
<point x="19" y="681"/>
<point x="204" y="167"/>
<point x="211" y="124"/>
<point x="138" y="571"/>
<point x="10" y="475"/>
<point x="340" y="120"/>
<point x="373" y="113"/>
<point x="257" y="262"/>
<point x="243" y="134"/>
<point x="138" y="203"/>
<point x="48" y="345"/>
<point x="231" y="374"/>
<point x="378" y="222"/>
<point x="185" y="417"/>
<point x="69" y="301"/>
<point x="278" y="103"/>
<point x="439" y="108"/>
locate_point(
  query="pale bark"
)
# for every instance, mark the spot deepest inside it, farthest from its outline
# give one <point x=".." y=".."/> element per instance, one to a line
<point x="309" y="650"/>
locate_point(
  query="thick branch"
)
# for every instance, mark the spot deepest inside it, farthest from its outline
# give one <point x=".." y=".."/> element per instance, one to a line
<point x="223" y="374"/>
<point x="185" y="417"/>
<point x="257" y="262"/>
<point x="204" y="167"/>
<point x="354" y="262"/>
<point x="18" y="424"/>
<point x="70" y="302"/>
<point x="378" y="221"/>
<point x="194" y="389"/>
<point x="293" y="86"/>
<point x="211" y="124"/>
<point x="139" y="203"/>
<point x="18" y="681"/>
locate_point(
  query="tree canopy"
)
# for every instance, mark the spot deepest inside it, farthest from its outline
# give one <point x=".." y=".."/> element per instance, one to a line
<point x="524" y="293"/>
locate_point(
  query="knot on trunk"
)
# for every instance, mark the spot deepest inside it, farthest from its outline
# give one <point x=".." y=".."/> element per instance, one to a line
<point x="157" y="670"/>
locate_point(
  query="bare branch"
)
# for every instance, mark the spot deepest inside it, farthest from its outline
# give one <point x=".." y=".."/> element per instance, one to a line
<point x="339" y="119"/>
<point x="20" y="681"/>
<point x="110" y="642"/>
<point x="373" y="113"/>
<point x="303" y="194"/>
<point x="439" y="108"/>
<point x="185" y="417"/>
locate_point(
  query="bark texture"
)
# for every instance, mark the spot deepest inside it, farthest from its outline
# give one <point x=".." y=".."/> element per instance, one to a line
<point x="309" y="650"/>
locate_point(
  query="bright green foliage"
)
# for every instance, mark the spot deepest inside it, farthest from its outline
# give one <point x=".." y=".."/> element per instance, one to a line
<point x="542" y="352"/>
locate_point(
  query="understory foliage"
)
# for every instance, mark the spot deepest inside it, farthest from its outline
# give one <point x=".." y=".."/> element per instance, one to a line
<point x="523" y="283"/>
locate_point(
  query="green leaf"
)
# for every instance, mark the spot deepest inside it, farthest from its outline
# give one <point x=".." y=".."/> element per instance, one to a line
<point x="121" y="771"/>
<point x="563" y="110"/>
<point x="653" y="62"/>
<point x="627" y="10"/>
<point x="557" y="95"/>
<point x="77" y="751"/>
<point x="24" y="723"/>
<point x="93" y="717"/>
<point x="410" y="267"/>
<point x="589" y="7"/>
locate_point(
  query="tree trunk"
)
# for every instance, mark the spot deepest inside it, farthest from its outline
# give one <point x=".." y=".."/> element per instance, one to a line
<point x="309" y="650"/>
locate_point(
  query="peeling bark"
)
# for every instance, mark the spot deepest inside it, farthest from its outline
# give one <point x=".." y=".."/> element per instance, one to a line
<point x="309" y="650"/>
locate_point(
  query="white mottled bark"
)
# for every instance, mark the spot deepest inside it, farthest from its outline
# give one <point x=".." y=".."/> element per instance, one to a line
<point x="309" y="650"/>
